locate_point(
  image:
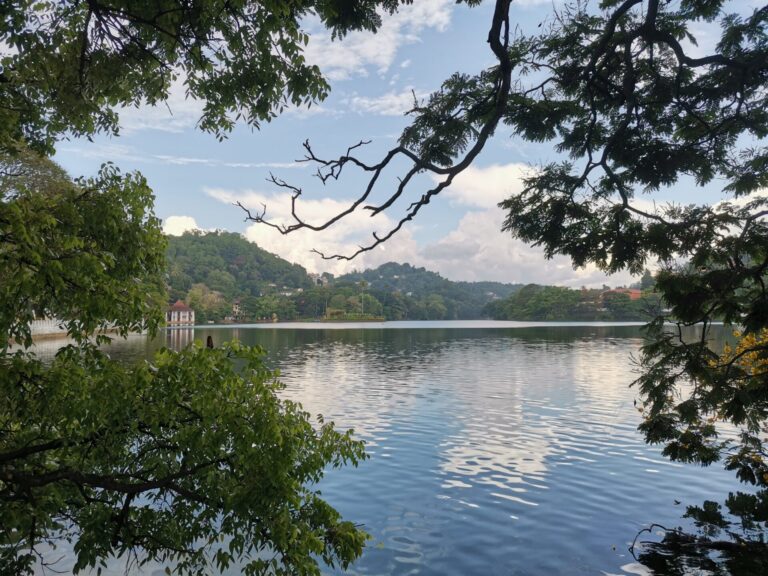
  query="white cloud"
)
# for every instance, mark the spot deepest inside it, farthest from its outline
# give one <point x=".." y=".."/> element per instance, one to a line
<point x="486" y="187"/>
<point x="389" y="104"/>
<point x="177" y="225"/>
<point x="113" y="152"/>
<point x="359" y="51"/>
<point x="535" y="2"/>
<point x="104" y="152"/>
<point x="304" y="112"/>
<point x="176" y="114"/>
<point x="475" y="250"/>
<point x="405" y="63"/>
<point x="341" y="238"/>
<point x="182" y="160"/>
<point x="288" y="165"/>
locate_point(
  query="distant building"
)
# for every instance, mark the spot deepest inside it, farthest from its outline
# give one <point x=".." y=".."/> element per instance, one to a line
<point x="318" y="280"/>
<point x="180" y="315"/>
<point x="237" y="312"/>
<point x="633" y="293"/>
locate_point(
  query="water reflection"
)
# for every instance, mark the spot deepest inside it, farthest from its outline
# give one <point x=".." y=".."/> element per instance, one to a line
<point x="493" y="451"/>
<point x="178" y="338"/>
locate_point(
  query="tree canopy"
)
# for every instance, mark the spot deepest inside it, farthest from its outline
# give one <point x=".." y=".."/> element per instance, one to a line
<point x="192" y="460"/>
<point x="228" y="263"/>
<point x="243" y="59"/>
<point x="630" y="106"/>
<point x="533" y="302"/>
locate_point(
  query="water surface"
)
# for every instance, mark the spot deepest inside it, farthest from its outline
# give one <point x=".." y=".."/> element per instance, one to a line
<point x="495" y="448"/>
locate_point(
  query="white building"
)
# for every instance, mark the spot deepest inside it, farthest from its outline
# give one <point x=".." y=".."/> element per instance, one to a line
<point x="180" y="315"/>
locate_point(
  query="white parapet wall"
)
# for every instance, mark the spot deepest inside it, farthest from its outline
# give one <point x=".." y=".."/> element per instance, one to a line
<point x="47" y="326"/>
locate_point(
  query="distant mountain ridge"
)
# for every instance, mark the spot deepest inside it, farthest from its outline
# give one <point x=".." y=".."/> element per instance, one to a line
<point x="213" y="271"/>
<point x="466" y="299"/>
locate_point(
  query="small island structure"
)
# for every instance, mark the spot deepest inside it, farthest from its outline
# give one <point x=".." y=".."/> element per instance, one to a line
<point x="179" y="315"/>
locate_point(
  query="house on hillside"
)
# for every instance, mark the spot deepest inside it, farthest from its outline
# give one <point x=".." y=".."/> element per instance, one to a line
<point x="633" y="293"/>
<point x="180" y="315"/>
<point x="237" y="312"/>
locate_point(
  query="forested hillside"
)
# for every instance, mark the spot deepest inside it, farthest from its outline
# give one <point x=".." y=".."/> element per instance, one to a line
<point x="224" y="277"/>
<point x="228" y="263"/>
<point x="210" y="271"/>
<point x="437" y="296"/>
<point x="535" y="302"/>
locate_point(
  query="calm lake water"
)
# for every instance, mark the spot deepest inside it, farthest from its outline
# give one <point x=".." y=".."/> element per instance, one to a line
<point x="496" y="447"/>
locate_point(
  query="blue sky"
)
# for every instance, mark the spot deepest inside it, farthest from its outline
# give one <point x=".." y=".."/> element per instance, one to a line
<point x="196" y="178"/>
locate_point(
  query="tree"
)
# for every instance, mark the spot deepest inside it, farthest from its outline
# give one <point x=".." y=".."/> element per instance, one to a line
<point x="208" y="304"/>
<point x="647" y="282"/>
<point x="88" y="252"/>
<point x="631" y="109"/>
<point x="127" y="459"/>
<point x="192" y="459"/>
<point x="242" y="59"/>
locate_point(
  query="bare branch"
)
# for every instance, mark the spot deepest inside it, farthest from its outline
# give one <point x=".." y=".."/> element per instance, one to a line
<point x="498" y="39"/>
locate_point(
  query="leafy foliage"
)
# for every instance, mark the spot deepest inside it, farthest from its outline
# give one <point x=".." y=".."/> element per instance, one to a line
<point x="632" y="112"/>
<point x="244" y="60"/>
<point x="192" y="460"/>
<point x="631" y="109"/>
<point x="88" y="252"/>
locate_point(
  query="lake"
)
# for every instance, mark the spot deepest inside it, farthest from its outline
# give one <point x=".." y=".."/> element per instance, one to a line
<point x="495" y="447"/>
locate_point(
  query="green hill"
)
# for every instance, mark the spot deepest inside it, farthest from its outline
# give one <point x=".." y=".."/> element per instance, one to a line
<point x="428" y="292"/>
<point x="212" y="270"/>
<point x="215" y="271"/>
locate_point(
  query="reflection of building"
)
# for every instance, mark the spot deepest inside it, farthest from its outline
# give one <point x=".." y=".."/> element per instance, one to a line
<point x="180" y="338"/>
<point x="180" y="315"/>
<point x="47" y="327"/>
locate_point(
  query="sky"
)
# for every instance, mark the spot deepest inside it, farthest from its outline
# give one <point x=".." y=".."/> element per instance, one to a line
<point x="374" y="78"/>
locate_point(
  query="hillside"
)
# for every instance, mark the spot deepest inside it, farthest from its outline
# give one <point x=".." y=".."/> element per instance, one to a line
<point x="546" y="303"/>
<point x="211" y="270"/>
<point x="224" y="276"/>
<point x="462" y="300"/>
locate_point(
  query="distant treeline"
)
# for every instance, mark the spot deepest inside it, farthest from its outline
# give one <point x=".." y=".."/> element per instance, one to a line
<point x="534" y="302"/>
<point x="224" y="277"/>
<point x="407" y="292"/>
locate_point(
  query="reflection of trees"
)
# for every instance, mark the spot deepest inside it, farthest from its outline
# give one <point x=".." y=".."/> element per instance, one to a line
<point x="681" y="554"/>
<point x="495" y="435"/>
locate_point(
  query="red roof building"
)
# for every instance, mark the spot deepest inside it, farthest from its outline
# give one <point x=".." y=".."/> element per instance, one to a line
<point x="633" y="293"/>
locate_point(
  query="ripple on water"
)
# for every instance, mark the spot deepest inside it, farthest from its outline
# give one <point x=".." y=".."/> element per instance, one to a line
<point x="492" y="451"/>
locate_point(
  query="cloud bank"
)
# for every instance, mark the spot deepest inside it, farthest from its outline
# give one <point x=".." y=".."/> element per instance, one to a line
<point x="474" y="250"/>
<point x="360" y="51"/>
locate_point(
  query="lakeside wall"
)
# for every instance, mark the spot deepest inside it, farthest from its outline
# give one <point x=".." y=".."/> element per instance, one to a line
<point x="47" y="327"/>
